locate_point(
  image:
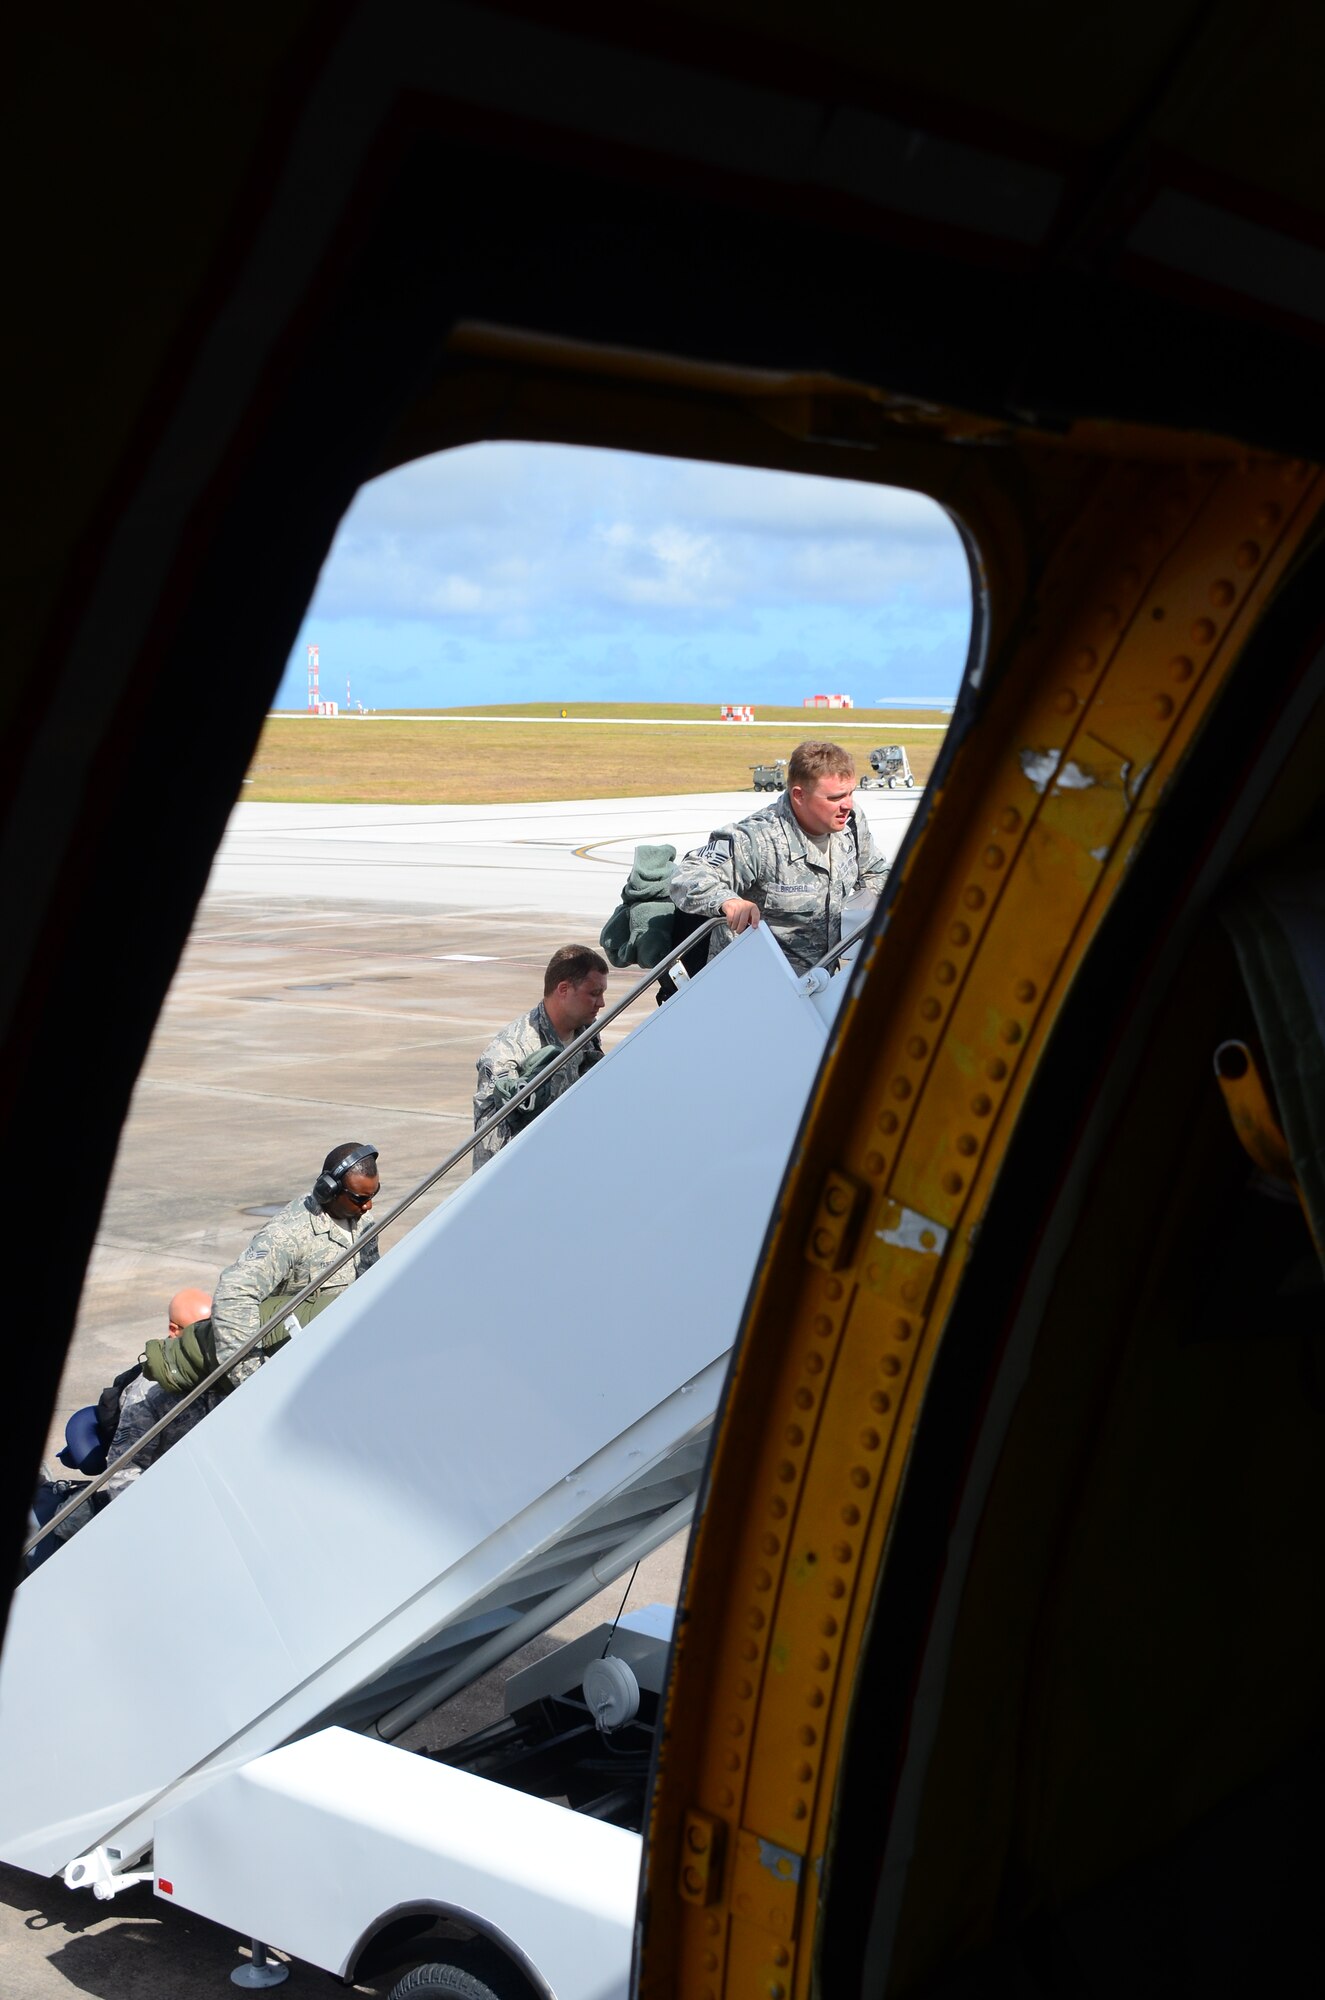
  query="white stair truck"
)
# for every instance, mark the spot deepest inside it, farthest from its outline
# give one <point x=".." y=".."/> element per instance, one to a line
<point x="481" y="1432"/>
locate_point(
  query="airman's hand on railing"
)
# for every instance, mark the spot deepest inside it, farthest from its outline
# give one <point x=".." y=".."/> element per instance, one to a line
<point x="740" y="915"/>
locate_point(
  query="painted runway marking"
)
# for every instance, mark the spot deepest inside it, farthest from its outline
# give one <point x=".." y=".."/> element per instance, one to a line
<point x="586" y="853"/>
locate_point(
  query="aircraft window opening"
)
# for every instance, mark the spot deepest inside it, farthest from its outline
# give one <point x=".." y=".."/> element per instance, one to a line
<point x="471" y="579"/>
<point x="370" y="1001"/>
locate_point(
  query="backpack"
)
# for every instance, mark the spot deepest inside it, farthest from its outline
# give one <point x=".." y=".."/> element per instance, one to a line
<point x="90" y="1432"/>
<point x="694" y="961"/>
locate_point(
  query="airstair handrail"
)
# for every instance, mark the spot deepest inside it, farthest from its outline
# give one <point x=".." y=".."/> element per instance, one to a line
<point x="92" y="1486"/>
<point x="810" y="981"/>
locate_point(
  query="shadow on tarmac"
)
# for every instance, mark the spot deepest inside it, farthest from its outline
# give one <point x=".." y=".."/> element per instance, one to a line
<point x="56" y="1941"/>
<point x="131" y="1949"/>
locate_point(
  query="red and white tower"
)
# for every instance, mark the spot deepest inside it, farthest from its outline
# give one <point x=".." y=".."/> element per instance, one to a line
<point x="312" y="681"/>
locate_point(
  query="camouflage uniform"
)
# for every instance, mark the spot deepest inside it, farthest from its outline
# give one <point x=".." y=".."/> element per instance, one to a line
<point x="502" y="1059"/>
<point x="768" y="859"/>
<point x="143" y="1404"/>
<point x="285" y="1256"/>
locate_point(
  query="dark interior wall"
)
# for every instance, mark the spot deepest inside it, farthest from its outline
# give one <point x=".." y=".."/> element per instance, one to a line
<point x="1139" y="1637"/>
<point x="1125" y="1712"/>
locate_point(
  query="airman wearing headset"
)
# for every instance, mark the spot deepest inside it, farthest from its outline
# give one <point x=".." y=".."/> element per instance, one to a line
<point x="294" y="1247"/>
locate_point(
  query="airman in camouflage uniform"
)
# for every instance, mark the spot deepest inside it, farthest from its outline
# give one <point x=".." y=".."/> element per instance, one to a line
<point x="791" y="866"/>
<point x="290" y="1252"/>
<point x="574" y="987"/>
<point x="144" y="1403"/>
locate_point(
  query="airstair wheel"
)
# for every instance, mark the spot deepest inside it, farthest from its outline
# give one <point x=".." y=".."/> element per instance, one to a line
<point x="445" y="1980"/>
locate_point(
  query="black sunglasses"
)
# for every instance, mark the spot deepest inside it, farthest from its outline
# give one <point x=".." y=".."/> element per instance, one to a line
<point x="362" y="1200"/>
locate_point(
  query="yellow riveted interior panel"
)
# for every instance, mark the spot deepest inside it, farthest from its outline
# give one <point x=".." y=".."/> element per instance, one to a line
<point x="1143" y="609"/>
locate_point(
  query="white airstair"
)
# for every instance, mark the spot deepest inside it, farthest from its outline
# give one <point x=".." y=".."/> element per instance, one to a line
<point x="494" y="1420"/>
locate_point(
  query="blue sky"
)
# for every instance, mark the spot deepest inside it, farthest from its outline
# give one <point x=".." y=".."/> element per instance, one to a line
<point x="512" y="572"/>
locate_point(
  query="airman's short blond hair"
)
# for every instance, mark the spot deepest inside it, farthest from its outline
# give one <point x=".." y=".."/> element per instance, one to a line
<point x="811" y="761"/>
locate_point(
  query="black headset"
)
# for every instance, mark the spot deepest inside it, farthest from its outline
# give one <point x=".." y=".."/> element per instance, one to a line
<point x="328" y="1185"/>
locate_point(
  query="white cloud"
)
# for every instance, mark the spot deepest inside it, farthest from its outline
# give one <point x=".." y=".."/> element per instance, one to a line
<point x="506" y="531"/>
<point x="456" y="593"/>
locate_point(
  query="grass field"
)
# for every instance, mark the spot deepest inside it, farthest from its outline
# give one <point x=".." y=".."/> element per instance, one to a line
<point x="415" y="758"/>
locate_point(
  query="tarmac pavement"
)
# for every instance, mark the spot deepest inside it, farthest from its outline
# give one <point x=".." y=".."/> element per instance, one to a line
<point x="570" y="856"/>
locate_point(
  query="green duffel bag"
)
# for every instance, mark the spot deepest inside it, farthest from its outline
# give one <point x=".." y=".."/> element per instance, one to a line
<point x="184" y="1359"/>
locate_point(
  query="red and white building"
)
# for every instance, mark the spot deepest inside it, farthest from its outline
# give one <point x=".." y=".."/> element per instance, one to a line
<point x="828" y="701"/>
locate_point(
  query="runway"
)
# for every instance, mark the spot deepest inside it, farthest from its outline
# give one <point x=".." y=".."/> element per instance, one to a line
<point x="559" y="857"/>
<point x="602" y="721"/>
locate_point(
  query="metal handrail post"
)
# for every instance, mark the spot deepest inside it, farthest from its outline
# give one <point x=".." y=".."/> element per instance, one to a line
<point x="296" y="1299"/>
<point x="810" y="981"/>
